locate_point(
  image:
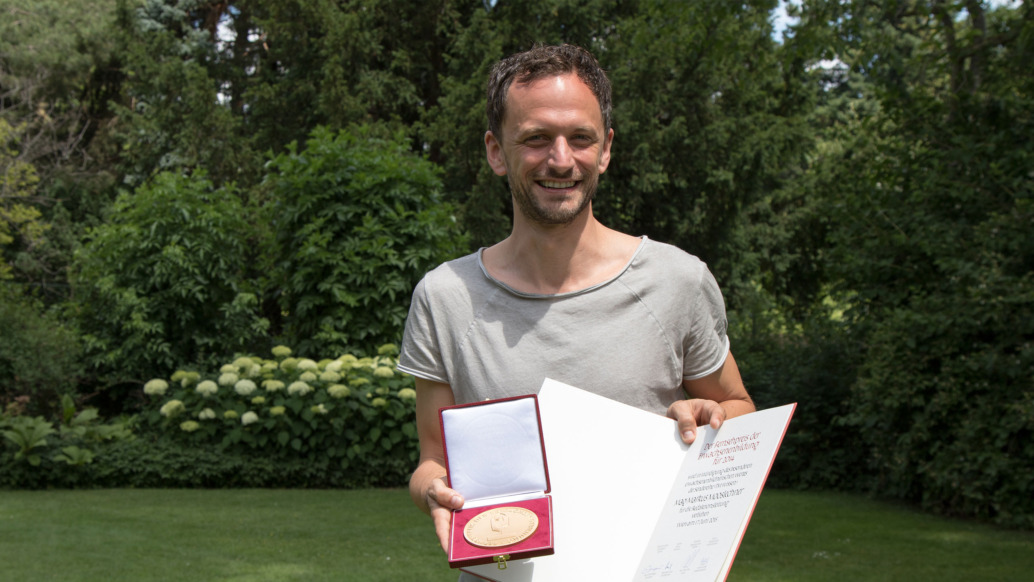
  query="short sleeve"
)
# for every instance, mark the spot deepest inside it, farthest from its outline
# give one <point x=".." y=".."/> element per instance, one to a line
<point x="420" y="354"/>
<point x="706" y="346"/>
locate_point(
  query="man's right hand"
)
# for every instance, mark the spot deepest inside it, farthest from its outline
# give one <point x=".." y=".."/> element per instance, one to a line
<point x="441" y="500"/>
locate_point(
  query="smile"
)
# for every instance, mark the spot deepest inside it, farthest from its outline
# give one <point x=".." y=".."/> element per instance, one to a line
<point x="551" y="184"/>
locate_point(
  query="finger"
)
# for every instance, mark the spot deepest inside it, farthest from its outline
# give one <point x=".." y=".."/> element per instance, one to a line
<point x="684" y="412"/>
<point x="442" y="495"/>
<point x="717" y="416"/>
<point x="441" y="500"/>
<point x="442" y="526"/>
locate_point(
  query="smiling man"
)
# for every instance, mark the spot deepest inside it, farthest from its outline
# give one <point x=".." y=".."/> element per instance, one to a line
<point x="563" y="296"/>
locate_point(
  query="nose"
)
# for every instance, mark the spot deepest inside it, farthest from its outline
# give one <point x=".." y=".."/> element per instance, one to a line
<point x="561" y="158"/>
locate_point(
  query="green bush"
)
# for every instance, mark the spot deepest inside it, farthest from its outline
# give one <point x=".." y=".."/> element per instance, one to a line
<point x="280" y="422"/>
<point x="815" y="367"/>
<point x="353" y="415"/>
<point x="945" y="405"/>
<point x="161" y="283"/>
<point x="36" y="452"/>
<point x="358" y="220"/>
<point x="39" y="354"/>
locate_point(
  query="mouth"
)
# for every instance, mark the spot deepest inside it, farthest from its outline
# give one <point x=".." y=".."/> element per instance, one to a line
<point x="556" y="185"/>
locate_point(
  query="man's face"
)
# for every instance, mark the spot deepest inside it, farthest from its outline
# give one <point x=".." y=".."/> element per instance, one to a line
<point x="552" y="149"/>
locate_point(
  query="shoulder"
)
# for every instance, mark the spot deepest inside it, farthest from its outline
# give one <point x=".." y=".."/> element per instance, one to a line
<point x="673" y="261"/>
<point x="452" y="279"/>
<point x="453" y="272"/>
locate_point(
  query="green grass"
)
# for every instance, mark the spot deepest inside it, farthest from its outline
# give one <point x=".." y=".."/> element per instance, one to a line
<point x="224" y="535"/>
<point x="800" y="537"/>
<point x="373" y="535"/>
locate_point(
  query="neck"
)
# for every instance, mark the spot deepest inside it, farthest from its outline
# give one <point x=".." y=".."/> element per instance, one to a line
<point x="550" y="259"/>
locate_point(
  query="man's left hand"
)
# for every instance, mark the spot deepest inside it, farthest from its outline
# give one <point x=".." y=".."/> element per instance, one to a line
<point x="696" y="412"/>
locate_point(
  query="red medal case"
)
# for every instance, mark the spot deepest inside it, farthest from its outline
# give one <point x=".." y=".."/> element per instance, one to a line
<point x="496" y="457"/>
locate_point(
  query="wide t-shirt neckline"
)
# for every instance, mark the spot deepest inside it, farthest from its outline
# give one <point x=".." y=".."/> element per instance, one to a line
<point x="524" y="294"/>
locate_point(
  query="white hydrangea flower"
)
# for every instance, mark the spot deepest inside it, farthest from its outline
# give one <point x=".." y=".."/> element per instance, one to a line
<point x="156" y="387"/>
<point x="172" y="408"/>
<point x="339" y="391"/>
<point x="206" y="388"/>
<point x="249" y="417"/>
<point x="244" y="387"/>
<point x="299" y="388"/>
<point x="329" y="376"/>
<point x="273" y="385"/>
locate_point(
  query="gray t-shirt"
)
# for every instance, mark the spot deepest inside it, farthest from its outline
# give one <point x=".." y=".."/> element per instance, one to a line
<point x="633" y="338"/>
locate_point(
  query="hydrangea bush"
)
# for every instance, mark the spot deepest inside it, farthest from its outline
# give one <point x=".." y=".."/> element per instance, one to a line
<point x="358" y="412"/>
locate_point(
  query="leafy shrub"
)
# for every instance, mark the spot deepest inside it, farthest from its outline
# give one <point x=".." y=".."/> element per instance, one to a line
<point x="358" y="220"/>
<point x="945" y="404"/>
<point x="351" y="415"/>
<point x="36" y="452"/>
<point x="815" y="367"/>
<point x="39" y="354"/>
<point x="160" y="283"/>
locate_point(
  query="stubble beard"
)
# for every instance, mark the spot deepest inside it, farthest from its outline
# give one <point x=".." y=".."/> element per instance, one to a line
<point x="533" y="210"/>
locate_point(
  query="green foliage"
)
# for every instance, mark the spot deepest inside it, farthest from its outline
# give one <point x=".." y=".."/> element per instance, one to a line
<point x="161" y="283"/>
<point x="174" y="117"/>
<point x="18" y="181"/>
<point x="37" y="452"/>
<point x="358" y="220"/>
<point x="349" y="419"/>
<point x="39" y="353"/>
<point x="815" y="367"/>
<point x="27" y="434"/>
<point x="53" y="57"/>
<point x="928" y="195"/>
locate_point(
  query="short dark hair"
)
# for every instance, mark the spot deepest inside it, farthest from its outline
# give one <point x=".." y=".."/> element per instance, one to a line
<point x="540" y="62"/>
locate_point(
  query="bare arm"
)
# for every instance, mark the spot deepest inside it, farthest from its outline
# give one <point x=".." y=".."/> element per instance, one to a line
<point x="712" y="400"/>
<point x="427" y="485"/>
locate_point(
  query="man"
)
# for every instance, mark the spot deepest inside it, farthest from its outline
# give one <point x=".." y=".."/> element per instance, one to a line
<point x="563" y="296"/>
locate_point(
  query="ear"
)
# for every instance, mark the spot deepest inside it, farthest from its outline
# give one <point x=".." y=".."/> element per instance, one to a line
<point x="605" y="152"/>
<point x="494" y="153"/>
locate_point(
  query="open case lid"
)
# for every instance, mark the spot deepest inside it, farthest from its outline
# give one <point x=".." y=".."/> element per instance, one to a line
<point x="495" y="448"/>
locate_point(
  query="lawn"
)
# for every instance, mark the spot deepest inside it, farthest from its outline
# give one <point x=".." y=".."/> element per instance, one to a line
<point x="373" y="535"/>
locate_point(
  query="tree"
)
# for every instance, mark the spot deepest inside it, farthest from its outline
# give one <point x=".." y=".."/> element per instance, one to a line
<point x="53" y="85"/>
<point x="172" y="115"/>
<point x="929" y="203"/>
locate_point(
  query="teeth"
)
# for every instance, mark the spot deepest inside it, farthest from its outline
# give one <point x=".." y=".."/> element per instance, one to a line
<point x="548" y="184"/>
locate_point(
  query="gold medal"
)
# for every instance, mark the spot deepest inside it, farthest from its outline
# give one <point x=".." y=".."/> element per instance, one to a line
<point x="501" y="526"/>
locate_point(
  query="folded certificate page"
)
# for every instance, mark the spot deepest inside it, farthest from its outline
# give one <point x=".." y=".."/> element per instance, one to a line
<point x="632" y="502"/>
